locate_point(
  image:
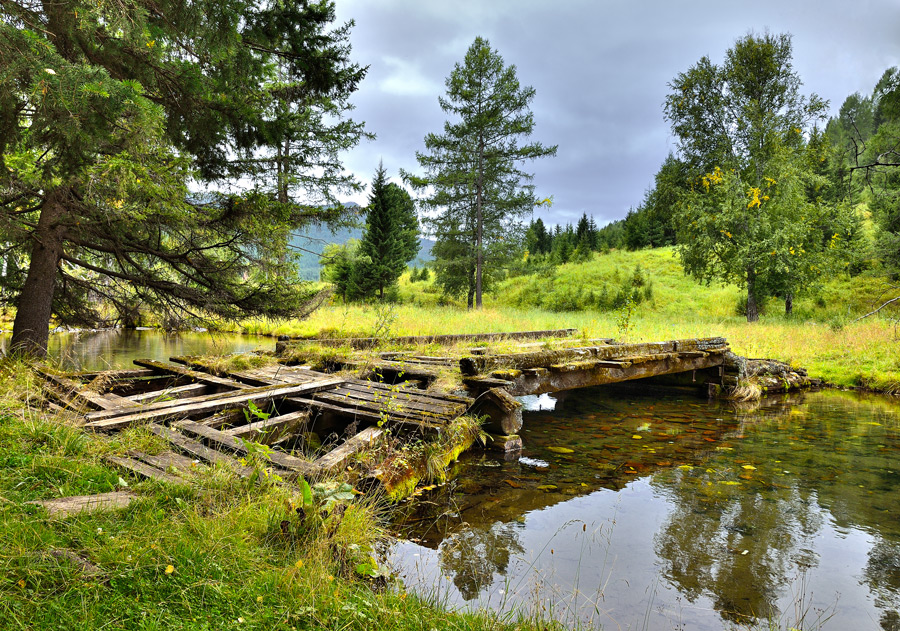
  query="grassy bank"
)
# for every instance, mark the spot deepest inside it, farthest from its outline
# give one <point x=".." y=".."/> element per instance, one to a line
<point x="219" y="555"/>
<point x="819" y="336"/>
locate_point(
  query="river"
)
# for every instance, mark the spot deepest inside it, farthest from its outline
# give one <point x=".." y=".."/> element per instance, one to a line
<point x="634" y="509"/>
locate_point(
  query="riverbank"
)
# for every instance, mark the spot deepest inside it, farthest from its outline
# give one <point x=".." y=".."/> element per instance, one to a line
<point x="861" y="355"/>
<point x="217" y="555"/>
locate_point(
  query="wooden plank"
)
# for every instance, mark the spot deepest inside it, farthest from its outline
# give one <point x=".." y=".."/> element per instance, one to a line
<point x="87" y="397"/>
<point x="114" y="375"/>
<point x="145" y="470"/>
<point x="270" y="430"/>
<point x="221" y="439"/>
<point x="337" y="457"/>
<point x="194" y="375"/>
<point x="65" y="506"/>
<point x="170" y="460"/>
<point x="361" y="414"/>
<point x="226" y="418"/>
<point x="377" y="413"/>
<point x="368" y="342"/>
<point x="406" y="398"/>
<point x="199" y="450"/>
<point x="179" y="392"/>
<point x="188" y="408"/>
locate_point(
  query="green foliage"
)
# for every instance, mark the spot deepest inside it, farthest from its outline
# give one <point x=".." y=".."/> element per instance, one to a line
<point x="391" y="237"/>
<point x="755" y="215"/>
<point x="479" y="190"/>
<point x="109" y="110"/>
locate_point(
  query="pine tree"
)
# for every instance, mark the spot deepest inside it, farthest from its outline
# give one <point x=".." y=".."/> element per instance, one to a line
<point x="479" y="189"/>
<point x="391" y="237"/>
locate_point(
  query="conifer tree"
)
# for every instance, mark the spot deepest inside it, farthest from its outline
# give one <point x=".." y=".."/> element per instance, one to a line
<point x="109" y="109"/>
<point x="480" y="192"/>
<point x="391" y="237"/>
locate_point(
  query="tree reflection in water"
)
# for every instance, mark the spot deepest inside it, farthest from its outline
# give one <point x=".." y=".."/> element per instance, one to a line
<point x="474" y="555"/>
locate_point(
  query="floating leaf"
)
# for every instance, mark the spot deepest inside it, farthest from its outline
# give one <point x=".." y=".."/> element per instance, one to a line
<point x="561" y="450"/>
<point x="730" y="482"/>
<point x="513" y="484"/>
<point x="637" y="437"/>
<point x="749" y="467"/>
<point x="548" y="487"/>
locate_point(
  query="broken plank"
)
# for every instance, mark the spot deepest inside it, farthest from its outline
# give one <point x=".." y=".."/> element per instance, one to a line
<point x="88" y="397"/>
<point x="194" y="375"/>
<point x="65" y="506"/>
<point x="360" y="413"/>
<point x="388" y="409"/>
<point x="179" y="392"/>
<point x="269" y="430"/>
<point x="169" y="460"/>
<point x="188" y="408"/>
<point x="223" y="419"/>
<point x="199" y="450"/>
<point x="337" y="457"/>
<point x="221" y="439"/>
<point x="145" y="470"/>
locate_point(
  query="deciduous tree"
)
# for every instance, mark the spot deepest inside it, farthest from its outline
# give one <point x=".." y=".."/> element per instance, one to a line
<point x="744" y="129"/>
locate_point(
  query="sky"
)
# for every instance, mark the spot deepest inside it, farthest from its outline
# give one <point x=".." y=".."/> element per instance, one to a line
<point x="600" y="70"/>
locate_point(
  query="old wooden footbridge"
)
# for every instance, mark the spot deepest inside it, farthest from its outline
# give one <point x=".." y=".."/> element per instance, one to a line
<point x="208" y="418"/>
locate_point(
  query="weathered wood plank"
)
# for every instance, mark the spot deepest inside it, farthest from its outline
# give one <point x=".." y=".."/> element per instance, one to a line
<point x="224" y="419"/>
<point x="145" y="470"/>
<point x="407" y="399"/>
<point x="114" y="375"/>
<point x="65" y="506"/>
<point x="167" y="460"/>
<point x="179" y="392"/>
<point x="394" y="412"/>
<point x="188" y="408"/>
<point x="199" y="450"/>
<point x="363" y="414"/>
<point x="77" y="391"/>
<point x="271" y="429"/>
<point x="221" y="439"/>
<point x="337" y="457"/>
<point x="369" y="342"/>
<point x="194" y="375"/>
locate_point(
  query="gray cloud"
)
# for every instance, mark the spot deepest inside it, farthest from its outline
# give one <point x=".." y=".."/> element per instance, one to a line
<point x="600" y="69"/>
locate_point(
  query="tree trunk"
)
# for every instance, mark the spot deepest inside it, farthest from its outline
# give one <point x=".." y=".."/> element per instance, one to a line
<point x="479" y="230"/>
<point x="752" y="307"/>
<point x="31" y="329"/>
<point x="789" y="304"/>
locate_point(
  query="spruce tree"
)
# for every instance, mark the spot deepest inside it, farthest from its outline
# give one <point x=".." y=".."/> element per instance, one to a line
<point x="391" y="237"/>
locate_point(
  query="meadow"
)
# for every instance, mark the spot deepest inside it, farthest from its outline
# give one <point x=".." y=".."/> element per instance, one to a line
<point x="820" y="335"/>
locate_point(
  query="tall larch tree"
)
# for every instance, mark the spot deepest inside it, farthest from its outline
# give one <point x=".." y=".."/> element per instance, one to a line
<point x="479" y="190"/>
<point x="137" y="140"/>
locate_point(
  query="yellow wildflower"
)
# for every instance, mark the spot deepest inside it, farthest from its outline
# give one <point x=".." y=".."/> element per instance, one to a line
<point x="170" y="569"/>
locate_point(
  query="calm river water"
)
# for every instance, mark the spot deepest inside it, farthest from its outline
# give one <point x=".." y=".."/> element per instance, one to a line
<point x="117" y="348"/>
<point x="636" y="510"/>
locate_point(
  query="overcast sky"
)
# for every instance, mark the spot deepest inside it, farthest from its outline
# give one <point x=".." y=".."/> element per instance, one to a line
<point x="600" y="70"/>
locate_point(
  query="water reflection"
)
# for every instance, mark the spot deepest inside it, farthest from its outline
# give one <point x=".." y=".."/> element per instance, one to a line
<point x="710" y="513"/>
<point x="117" y="348"/>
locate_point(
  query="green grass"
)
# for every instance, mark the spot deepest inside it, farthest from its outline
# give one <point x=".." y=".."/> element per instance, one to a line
<point x="216" y="556"/>
<point x="817" y="337"/>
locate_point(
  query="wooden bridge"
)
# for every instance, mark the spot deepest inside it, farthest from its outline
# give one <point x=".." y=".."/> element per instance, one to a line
<point x="210" y="418"/>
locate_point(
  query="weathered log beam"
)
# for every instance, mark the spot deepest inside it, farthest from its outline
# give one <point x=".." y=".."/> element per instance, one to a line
<point x="479" y="364"/>
<point x="369" y="342"/>
<point x="585" y="374"/>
